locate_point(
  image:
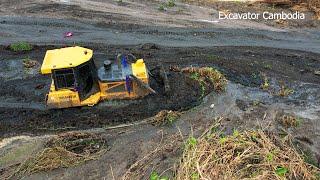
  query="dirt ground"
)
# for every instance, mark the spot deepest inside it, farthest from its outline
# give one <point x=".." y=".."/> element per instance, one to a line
<point x="286" y="58"/>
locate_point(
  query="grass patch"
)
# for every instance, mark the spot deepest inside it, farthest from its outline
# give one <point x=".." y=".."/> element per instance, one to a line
<point x="20" y="46"/>
<point x="65" y="150"/>
<point x="242" y="155"/>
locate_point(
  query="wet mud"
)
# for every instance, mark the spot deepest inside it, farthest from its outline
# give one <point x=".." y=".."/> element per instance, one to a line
<point x="244" y="65"/>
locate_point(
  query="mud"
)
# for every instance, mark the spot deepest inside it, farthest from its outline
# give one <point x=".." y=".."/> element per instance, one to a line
<point x="244" y="65"/>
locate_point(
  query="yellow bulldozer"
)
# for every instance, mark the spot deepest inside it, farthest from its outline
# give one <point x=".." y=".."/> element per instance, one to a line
<point x="77" y="82"/>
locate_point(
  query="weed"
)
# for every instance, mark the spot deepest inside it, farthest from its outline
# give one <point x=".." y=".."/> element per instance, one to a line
<point x="155" y="176"/>
<point x="168" y="4"/>
<point x="171" y="3"/>
<point x="235" y="133"/>
<point x="270" y="157"/>
<point x="267" y="66"/>
<point x="212" y="57"/>
<point x="281" y="171"/>
<point x="191" y="142"/>
<point x="265" y="85"/>
<point x="195" y="176"/>
<point x="254" y="75"/>
<point x="21" y="46"/>
<point x="161" y="7"/>
<point x="290" y="121"/>
<point x="285" y="91"/>
<point x="256" y="103"/>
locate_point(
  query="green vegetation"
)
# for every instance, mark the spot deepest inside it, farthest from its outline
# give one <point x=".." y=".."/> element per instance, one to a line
<point x="196" y="76"/>
<point x="155" y="176"/>
<point x="267" y="66"/>
<point x="281" y="171"/>
<point x="171" y="3"/>
<point x="161" y="7"/>
<point x="212" y="57"/>
<point x="265" y="85"/>
<point x="21" y="46"/>
<point x="168" y="4"/>
<point x="191" y="142"/>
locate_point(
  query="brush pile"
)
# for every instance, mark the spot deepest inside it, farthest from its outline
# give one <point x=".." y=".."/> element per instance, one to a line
<point x="165" y="117"/>
<point x="65" y="150"/>
<point x="207" y="77"/>
<point x="251" y="154"/>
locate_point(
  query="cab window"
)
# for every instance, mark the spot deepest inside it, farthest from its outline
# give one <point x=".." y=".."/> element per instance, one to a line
<point x="64" y="79"/>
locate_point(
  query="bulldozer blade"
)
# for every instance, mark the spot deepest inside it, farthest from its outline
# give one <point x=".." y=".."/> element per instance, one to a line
<point x="142" y="84"/>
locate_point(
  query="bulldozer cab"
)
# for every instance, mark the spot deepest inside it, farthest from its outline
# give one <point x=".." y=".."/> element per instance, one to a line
<point x="81" y="79"/>
<point x="74" y="78"/>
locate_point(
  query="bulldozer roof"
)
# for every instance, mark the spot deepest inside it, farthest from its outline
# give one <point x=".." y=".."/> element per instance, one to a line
<point x="65" y="58"/>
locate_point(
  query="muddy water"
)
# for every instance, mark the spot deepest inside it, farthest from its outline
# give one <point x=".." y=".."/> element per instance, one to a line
<point x="12" y="69"/>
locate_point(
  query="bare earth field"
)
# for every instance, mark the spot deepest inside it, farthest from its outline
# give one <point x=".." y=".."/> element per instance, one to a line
<point x="285" y="57"/>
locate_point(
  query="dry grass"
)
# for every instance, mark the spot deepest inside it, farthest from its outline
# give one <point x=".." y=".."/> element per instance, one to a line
<point x="251" y="154"/>
<point x="290" y="121"/>
<point x="207" y="76"/>
<point x="28" y="63"/>
<point x="284" y="90"/>
<point x="65" y="150"/>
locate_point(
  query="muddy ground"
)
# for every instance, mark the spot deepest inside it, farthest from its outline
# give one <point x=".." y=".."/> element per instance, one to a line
<point x="244" y="65"/>
<point x="249" y="53"/>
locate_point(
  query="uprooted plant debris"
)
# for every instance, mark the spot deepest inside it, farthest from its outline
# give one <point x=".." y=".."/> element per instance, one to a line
<point x="165" y="117"/>
<point x="249" y="154"/>
<point x="206" y="76"/>
<point x="64" y="150"/>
